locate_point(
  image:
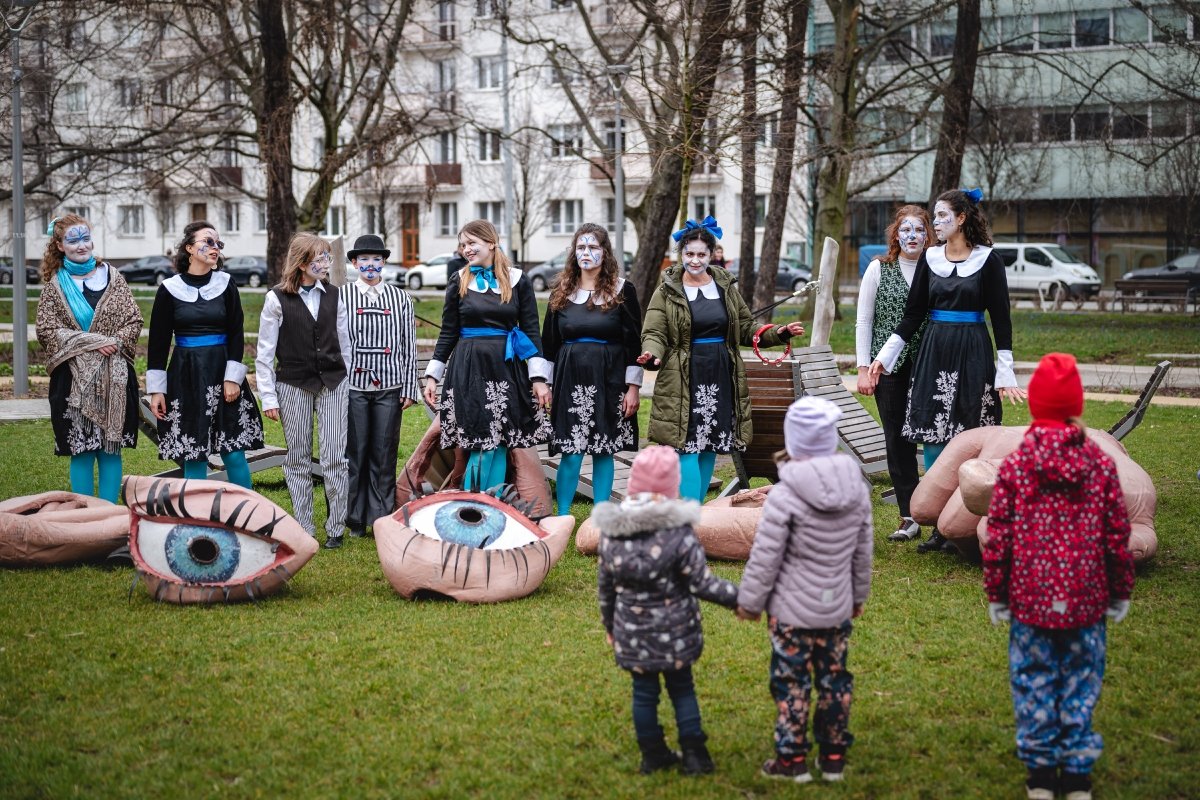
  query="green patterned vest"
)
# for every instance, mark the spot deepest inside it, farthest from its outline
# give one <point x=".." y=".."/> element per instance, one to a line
<point x="889" y="310"/>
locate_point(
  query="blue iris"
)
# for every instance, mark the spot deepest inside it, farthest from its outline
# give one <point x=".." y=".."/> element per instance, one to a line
<point x="199" y="554"/>
<point x="472" y="524"/>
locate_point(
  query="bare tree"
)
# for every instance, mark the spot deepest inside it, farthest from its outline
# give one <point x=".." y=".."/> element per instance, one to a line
<point x="750" y="126"/>
<point x="956" y="101"/>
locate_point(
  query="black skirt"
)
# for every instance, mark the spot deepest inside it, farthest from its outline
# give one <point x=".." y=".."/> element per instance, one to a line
<point x="712" y="422"/>
<point x="954" y="383"/>
<point x="487" y="401"/>
<point x="199" y="422"/>
<point x="589" y="387"/>
<point x="74" y="437"/>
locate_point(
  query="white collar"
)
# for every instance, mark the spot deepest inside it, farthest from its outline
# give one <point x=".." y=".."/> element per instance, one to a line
<point x="581" y="295"/>
<point x="97" y="280"/>
<point x="514" y="275"/>
<point x="319" y="284"/>
<point x="709" y="290"/>
<point x="366" y="288"/>
<point x="217" y="281"/>
<point x="942" y="267"/>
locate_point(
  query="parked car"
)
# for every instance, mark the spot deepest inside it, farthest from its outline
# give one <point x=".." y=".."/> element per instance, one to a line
<point x="148" y="269"/>
<point x="395" y="274"/>
<point x="247" y="270"/>
<point x="792" y="274"/>
<point x="542" y="276"/>
<point x="1184" y="267"/>
<point x="6" y="272"/>
<point x="1043" y="269"/>
<point x="428" y="274"/>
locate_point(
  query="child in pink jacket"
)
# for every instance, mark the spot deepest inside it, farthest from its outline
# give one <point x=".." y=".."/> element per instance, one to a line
<point x="1056" y="563"/>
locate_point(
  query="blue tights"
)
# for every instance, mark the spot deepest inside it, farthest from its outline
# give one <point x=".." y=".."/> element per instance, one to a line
<point x="931" y="453"/>
<point x="486" y="469"/>
<point x="695" y="473"/>
<point x="235" y="467"/>
<point x="567" y="481"/>
<point x="83" y="469"/>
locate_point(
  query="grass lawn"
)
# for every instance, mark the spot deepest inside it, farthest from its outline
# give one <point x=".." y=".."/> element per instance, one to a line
<point x="339" y="688"/>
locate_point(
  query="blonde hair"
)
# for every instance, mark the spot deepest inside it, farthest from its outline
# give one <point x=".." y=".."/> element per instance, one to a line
<point x="52" y="258"/>
<point x="302" y="249"/>
<point x="485" y="231"/>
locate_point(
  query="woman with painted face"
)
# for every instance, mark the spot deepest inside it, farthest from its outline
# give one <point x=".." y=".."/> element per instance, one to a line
<point x="303" y="327"/>
<point x="592" y="336"/>
<point x="881" y="300"/>
<point x="383" y="381"/>
<point x="695" y="324"/>
<point x="496" y="393"/>
<point x="956" y="385"/>
<point x="88" y="326"/>
<point x="202" y="401"/>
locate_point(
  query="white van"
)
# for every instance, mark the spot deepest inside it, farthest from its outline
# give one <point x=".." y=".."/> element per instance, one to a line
<point x="1046" y="271"/>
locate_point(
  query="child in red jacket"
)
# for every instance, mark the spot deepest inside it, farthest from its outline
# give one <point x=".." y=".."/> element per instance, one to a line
<point x="1056" y="563"/>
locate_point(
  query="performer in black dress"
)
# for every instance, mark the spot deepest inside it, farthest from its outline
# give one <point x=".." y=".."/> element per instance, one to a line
<point x="592" y="334"/>
<point x="88" y="326"/>
<point x="496" y="391"/>
<point x="955" y="384"/>
<point x="202" y="400"/>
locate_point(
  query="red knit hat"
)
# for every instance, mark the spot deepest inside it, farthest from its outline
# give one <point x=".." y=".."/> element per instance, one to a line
<point x="655" y="469"/>
<point x="1055" y="390"/>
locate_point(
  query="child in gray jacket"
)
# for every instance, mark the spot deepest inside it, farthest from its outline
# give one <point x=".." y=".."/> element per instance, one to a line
<point x="810" y="569"/>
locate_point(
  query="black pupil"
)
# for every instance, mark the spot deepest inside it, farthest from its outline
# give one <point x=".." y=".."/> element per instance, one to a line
<point x="470" y="516"/>
<point x="203" y="550"/>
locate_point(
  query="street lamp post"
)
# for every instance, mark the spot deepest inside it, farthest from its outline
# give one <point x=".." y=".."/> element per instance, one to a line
<point x="508" y="217"/>
<point x="616" y="77"/>
<point x="20" y="308"/>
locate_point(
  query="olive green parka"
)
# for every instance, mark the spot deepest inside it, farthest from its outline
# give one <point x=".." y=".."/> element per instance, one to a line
<point x="667" y="334"/>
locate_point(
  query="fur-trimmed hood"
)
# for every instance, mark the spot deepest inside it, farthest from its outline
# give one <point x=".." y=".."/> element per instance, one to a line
<point x="626" y="520"/>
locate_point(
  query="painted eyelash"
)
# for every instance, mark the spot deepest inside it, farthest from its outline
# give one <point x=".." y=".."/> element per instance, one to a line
<point x="158" y="504"/>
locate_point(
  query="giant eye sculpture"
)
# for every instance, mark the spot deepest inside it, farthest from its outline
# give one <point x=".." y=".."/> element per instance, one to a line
<point x="471" y="546"/>
<point x="209" y="541"/>
<point x="59" y="528"/>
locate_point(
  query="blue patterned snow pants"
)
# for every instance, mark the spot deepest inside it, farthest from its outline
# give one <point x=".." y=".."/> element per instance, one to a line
<point x="1056" y="677"/>
<point x="798" y="656"/>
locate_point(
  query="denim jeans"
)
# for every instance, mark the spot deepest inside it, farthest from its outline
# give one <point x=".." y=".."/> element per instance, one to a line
<point x="646" y="691"/>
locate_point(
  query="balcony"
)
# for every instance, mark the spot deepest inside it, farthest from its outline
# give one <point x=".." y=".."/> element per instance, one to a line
<point x="440" y="36"/>
<point x="443" y="175"/>
<point x="636" y="167"/>
<point x="707" y="170"/>
<point x="225" y="176"/>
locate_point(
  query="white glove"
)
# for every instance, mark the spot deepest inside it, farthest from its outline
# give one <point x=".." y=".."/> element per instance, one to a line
<point x="998" y="612"/>
<point x="1117" y="610"/>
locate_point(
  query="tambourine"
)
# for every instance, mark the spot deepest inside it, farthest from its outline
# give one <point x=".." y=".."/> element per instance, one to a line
<point x="787" y="349"/>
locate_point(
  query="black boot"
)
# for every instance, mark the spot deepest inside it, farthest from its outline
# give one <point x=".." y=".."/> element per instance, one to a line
<point x="656" y="755"/>
<point x="696" y="760"/>
<point x="933" y="543"/>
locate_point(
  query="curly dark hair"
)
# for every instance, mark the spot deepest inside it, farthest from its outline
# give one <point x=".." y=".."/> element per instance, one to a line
<point x="703" y="234"/>
<point x="893" y="231"/>
<point x="182" y="258"/>
<point x="975" y="227"/>
<point x="606" y="282"/>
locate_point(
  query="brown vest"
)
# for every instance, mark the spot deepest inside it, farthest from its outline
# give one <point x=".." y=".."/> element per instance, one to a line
<point x="308" y="352"/>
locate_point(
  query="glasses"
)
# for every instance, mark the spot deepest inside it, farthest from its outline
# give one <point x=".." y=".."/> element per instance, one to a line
<point x="321" y="259"/>
<point x="211" y="242"/>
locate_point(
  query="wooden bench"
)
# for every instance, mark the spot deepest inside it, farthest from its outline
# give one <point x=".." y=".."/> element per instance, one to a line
<point x="1166" y="291"/>
<point x="1134" y="416"/>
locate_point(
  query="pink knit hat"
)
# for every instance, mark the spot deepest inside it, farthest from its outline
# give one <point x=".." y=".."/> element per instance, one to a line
<point x="655" y="469"/>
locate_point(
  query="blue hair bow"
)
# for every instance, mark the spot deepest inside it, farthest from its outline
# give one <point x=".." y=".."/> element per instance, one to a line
<point x="50" y="227"/>
<point x="708" y="224"/>
<point x="975" y="194"/>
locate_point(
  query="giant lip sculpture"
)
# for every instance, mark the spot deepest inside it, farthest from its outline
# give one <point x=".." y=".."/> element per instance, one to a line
<point x="211" y="541"/>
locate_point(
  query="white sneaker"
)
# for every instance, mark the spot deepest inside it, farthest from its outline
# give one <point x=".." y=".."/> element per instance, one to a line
<point x="908" y="530"/>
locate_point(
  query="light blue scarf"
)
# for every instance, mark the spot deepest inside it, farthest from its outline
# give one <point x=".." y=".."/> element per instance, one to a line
<point x="80" y="308"/>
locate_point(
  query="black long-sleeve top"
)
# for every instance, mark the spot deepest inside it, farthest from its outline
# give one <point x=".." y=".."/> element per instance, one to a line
<point x="621" y="323"/>
<point x="171" y="316"/>
<point x="986" y="290"/>
<point x="486" y="310"/>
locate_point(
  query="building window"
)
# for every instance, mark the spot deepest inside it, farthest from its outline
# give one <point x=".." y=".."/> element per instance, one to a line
<point x="79" y="211"/>
<point x="768" y="129"/>
<point x="447" y="147"/>
<point x="561" y="5"/>
<point x="610" y="214"/>
<point x="1054" y="30"/>
<point x="1017" y="33"/>
<point x="227" y="154"/>
<point x="760" y="210"/>
<point x="489" y="72"/>
<point x="1170" y="24"/>
<point x="375" y="219"/>
<point x="823" y="36"/>
<point x="1091" y="124"/>
<point x="335" y="221"/>
<point x="232" y="216"/>
<point x="74" y="97"/>
<point x="261" y="208"/>
<point x="1091" y="28"/>
<point x="445" y="26"/>
<point x="608" y="131"/>
<point x="76" y="165"/>
<point x="129" y="92"/>
<point x="1130" y="26"/>
<point x="565" y="215"/>
<point x="1054" y="125"/>
<point x="485" y="9"/>
<point x="130" y="221"/>
<point x="1168" y="120"/>
<point x="941" y="37"/>
<point x="492" y="211"/>
<point x="1130" y="123"/>
<point x="704" y="206"/>
<point x="447" y="219"/>
<point x="489" y="145"/>
<point x="166" y="213"/>
<point x="565" y="140"/>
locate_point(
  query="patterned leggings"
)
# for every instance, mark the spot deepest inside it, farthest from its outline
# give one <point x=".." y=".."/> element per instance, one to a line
<point x="798" y="656"/>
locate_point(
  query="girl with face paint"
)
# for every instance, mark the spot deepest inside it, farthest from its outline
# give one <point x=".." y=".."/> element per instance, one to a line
<point x="881" y="300"/>
<point x="496" y="393"/>
<point x="591" y="335"/>
<point x="383" y="382"/>
<point x="303" y="327"/>
<point x="88" y="326"/>
<point x="201" y="398"/>
<point x="695" y="325"/>
<point x="956" y="385"/>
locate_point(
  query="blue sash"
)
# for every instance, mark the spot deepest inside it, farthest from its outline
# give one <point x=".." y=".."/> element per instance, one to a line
<point x="709" y="340"/>
<point x="587" y="340"/>
<point x="208" y="340"/>
<point x="939" y="315"/>
<point x="518" y="345"/>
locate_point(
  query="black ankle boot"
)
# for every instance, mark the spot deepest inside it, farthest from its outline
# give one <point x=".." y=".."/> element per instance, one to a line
<point x="933" y="543"/>
<point x="696" y="760"/>
<point x="656" y="755"/>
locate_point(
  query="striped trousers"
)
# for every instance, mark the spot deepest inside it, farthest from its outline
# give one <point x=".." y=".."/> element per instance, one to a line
<point x="296" y="410"/>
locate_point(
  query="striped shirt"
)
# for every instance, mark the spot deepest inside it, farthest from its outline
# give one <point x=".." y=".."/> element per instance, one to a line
<point x="383" y="339"/>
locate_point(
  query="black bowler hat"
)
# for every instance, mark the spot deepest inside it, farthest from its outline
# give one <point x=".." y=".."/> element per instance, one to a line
<point x="370" y="243"/>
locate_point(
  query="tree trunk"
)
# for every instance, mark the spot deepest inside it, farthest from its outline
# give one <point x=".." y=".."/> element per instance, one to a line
<point x="749" y="143"/>
<point x="785" y="150"/>
<point x="275" y="134"/>
<point x="956" y="102"/>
